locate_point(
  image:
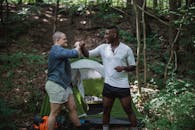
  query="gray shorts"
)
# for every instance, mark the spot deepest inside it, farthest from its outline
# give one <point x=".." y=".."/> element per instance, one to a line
<point x="57" y="94"/>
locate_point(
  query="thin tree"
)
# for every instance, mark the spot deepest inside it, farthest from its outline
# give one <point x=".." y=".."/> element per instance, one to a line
<point x="144" y="40"/>
<point x="189" y="3"/>
<point x="131" y="17"/>
<point x="155" y="4"/>
<point x="1" y="10"/>
<point x="56" y="15"/>
<point x="179" y="3"/>
<point x="138" y="44"/>
<point x="173" y="37"/>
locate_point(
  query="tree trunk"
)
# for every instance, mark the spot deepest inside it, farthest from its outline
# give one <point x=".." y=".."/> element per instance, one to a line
<point x="172" y="34"/>
<point x="189" y="3"/>
<point x="144" y="39"/>
<point x="179" y="3"/>
<point x="131" y="13"/>
<point x="56" y="16"/>
<point x="1" y="10"/>
<point x="140" y="3"/>
<point x="138" y="44"/>
<point x="128" y="4"/>
<point x="154" y="4"/>
<point x="4" y="21"/>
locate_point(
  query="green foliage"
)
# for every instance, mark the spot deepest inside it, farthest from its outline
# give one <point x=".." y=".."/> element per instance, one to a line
<point x="126" y="36"/>
<point x="157" y="68"/>
<point x="11" y="61"/>
<point x="16" y="69"/>
<point x="73" y="8"/>
<point x="112" y="17"/>
<point x="173" y="107"/>
<point x="153" y="41"/>
<point x="155" y="60"/>
<point x="106" y="15"/>
<point x="104" y="7"/>
<point x="20" y="24"/>
<point x="34" y="101"/>
<point x="6" y="117"/>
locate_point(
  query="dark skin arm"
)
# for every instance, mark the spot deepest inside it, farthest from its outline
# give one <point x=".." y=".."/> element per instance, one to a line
<point x="125" y="68"/>
<point x="84" y="50"/>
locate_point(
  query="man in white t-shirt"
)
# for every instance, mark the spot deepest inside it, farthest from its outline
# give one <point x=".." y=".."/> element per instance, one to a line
<point x="118" y="59"/>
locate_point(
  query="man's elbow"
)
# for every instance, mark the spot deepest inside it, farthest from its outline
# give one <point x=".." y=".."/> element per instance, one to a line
<point x="133" y="68"/>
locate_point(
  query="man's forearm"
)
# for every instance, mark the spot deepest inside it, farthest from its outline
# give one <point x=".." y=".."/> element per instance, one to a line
<point x="129" y="68"/>
<point x="84" y="51"/>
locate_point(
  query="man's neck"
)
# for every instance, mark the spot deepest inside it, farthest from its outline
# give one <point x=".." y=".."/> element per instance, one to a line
<point x="115" y="44"/>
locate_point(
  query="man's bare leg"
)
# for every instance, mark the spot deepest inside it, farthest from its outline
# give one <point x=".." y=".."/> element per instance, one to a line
<point x="126" y="103"/>
<point x="107" y="106"/>
<point x="71" y="106"/>
<point x="55" y="109"/>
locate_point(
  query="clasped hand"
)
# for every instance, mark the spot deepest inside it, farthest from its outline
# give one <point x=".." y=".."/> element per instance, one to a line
<point x="79" y="44"/>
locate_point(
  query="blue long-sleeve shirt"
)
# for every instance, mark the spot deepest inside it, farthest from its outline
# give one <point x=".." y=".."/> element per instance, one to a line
<point x="59" y="69"/>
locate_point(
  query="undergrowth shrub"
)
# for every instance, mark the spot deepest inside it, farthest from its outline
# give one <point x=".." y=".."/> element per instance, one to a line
<point x="22" y="74"/>
<point x="173" y="108"/>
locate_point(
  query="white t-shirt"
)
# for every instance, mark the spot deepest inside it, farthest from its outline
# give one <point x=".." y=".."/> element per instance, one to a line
<point x="122" y="56"/>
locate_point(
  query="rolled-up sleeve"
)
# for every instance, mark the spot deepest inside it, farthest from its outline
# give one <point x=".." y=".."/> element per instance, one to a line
<point x="96" y="51"/>
<point x="67" y="53"/>
<point x="130" y="57"/>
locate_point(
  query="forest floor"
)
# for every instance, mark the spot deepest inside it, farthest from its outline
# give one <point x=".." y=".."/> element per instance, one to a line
<point x="39" y="39"/>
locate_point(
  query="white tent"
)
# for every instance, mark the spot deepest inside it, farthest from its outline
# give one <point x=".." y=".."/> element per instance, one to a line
<point x="85" y="69"/>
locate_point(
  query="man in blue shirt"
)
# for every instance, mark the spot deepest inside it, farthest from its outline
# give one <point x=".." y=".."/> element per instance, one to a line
<point x="58" y="85"/>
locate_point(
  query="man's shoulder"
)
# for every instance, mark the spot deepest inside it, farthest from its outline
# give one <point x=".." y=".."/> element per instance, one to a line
<point x="60" y="48"/>
<point x="102" y="46"/>
<point x="124" y="45"/>
<point x="55" y="47"/>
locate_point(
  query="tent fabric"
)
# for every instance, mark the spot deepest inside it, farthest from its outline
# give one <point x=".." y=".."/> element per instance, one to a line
<point x="85" y="69"/>
<point x="88" y="65"/>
